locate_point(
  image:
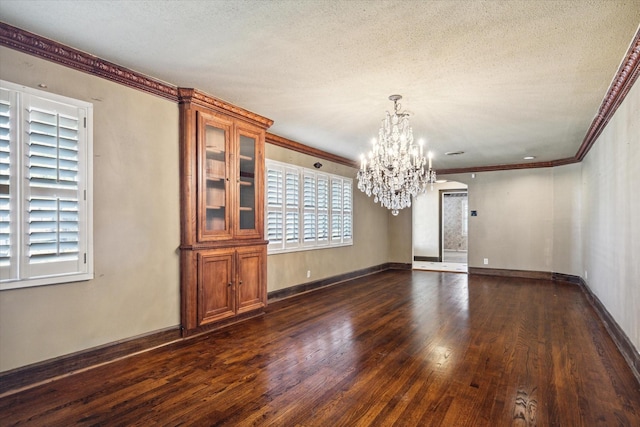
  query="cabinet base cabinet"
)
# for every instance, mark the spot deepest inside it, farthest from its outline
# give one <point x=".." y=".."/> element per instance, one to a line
<point x="252" y="292"/>
<point x="215" y="286"/>
<point x="229" y="285"/>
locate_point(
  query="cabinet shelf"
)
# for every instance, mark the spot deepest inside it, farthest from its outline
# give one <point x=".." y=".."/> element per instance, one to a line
<point x="245" y="209"/>
<point x="246" y="183"/>
<point x="243" y="157"/>
<point x="214" y="207"/>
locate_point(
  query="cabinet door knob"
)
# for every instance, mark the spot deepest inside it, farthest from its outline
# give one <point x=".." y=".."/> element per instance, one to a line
<point x="230" y="283"/>
<point x="241" y="282"/>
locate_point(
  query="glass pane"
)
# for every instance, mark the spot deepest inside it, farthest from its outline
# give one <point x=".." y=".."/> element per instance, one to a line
<point x="247" y="183"/>
<point x="274" y="187"/>
<point x="323" y="227"/>
<point x="336" y="226"/>
<point x="323" y="193"/>
<point x="215" y="177"/>
<point x="53" y="229"/>
<point x="309" y="226"/>
<point x="52" y="150"/>
<point x="291" y="226"/>
<point x="291" y="189"/>
<point x="309" y="192"/>
<point x="274" y="226"/>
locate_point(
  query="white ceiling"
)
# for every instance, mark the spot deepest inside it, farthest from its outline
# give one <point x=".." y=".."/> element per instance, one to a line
<point x="496" y="79"/>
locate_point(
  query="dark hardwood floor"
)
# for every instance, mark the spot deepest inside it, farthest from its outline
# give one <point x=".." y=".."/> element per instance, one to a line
<point x="395" y="348"/>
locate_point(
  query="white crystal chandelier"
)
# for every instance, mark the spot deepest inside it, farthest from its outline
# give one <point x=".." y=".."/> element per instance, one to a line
<point x="396" y="169"/>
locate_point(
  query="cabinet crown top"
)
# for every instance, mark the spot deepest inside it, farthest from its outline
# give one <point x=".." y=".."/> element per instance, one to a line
<point x="188" y="96"/>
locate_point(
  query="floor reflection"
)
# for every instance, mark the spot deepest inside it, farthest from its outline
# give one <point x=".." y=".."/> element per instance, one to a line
<point x="454" y="267"/>
<point x="440" y="301"/>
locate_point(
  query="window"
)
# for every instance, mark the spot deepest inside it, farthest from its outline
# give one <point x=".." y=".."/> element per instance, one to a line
<point x="307" y="209"/>
<point x="45" y="183"/>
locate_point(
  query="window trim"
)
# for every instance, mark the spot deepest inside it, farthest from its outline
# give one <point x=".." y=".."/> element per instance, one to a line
<point x="20" y="279"/>
<point x="301" y="244"/>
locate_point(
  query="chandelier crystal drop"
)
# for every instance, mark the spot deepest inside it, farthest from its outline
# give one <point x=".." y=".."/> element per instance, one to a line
<point x="396" y="168"/>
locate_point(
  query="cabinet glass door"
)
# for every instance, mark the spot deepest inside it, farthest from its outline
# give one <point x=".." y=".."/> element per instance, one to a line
<point x="214" y="197"/>
<point x="249" y="180"/>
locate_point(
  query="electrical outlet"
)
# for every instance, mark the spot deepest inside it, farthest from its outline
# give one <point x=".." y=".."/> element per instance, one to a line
<point x="308" y="273"/>
<point x="486" y="261"/>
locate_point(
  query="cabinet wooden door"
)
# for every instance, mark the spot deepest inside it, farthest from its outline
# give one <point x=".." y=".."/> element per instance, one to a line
<point x="215" y="285"/>
<point x="251" y="280"/>
<point x="215" y="201"/>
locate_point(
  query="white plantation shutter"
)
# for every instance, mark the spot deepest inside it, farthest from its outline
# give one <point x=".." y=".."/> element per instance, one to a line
<point x="292" y="207"/>
<point x="309" y="208"/>
<point x="274" y="196"/>
<point x="54" y="197"/>
<point x="323" y="209"/>
<point x="306" y="209"/>
<point x="347" y="207"/>
<point x="49" y="209"/>
<point x="336" y="210"/>
<point x="6" y="237"/>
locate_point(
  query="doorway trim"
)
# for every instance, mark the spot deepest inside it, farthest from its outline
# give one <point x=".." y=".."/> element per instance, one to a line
<point x="441" y="219"/>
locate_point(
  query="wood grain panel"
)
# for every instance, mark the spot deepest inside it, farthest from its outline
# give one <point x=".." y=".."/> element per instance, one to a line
<point x="30" y="375"/>
<point x="252" y="262"/>
<point x="332" y="280"/>
<point x="215" y="285"/>
<point x="402" y="348"/>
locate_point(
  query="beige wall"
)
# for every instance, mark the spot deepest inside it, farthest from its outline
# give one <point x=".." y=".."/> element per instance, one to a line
<point x="514" y="226"/>
<point x="426" y="219"/>
<point x="611" y="216"/>
<point x="567" y="217"/>
<point x="528" y="219"/>
<point x="399" y="235"/>
<point x="370" y="248"/>
<point x="136" y="225"/>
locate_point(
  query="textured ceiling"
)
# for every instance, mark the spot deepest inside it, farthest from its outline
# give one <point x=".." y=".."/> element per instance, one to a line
<point x="496" y="79"/>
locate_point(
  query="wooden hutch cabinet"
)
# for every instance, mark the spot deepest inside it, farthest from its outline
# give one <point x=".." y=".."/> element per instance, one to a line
<point x="223" y="253"/>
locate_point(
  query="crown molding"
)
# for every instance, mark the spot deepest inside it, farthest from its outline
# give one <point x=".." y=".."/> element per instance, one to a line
<point x="625" y="78"/>
<point x="35" y="45"/>
<point x="492" y="168"/>
<point x="305" y="149"/>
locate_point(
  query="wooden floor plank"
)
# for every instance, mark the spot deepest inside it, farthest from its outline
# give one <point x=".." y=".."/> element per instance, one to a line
<point x="395" y="348"/>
